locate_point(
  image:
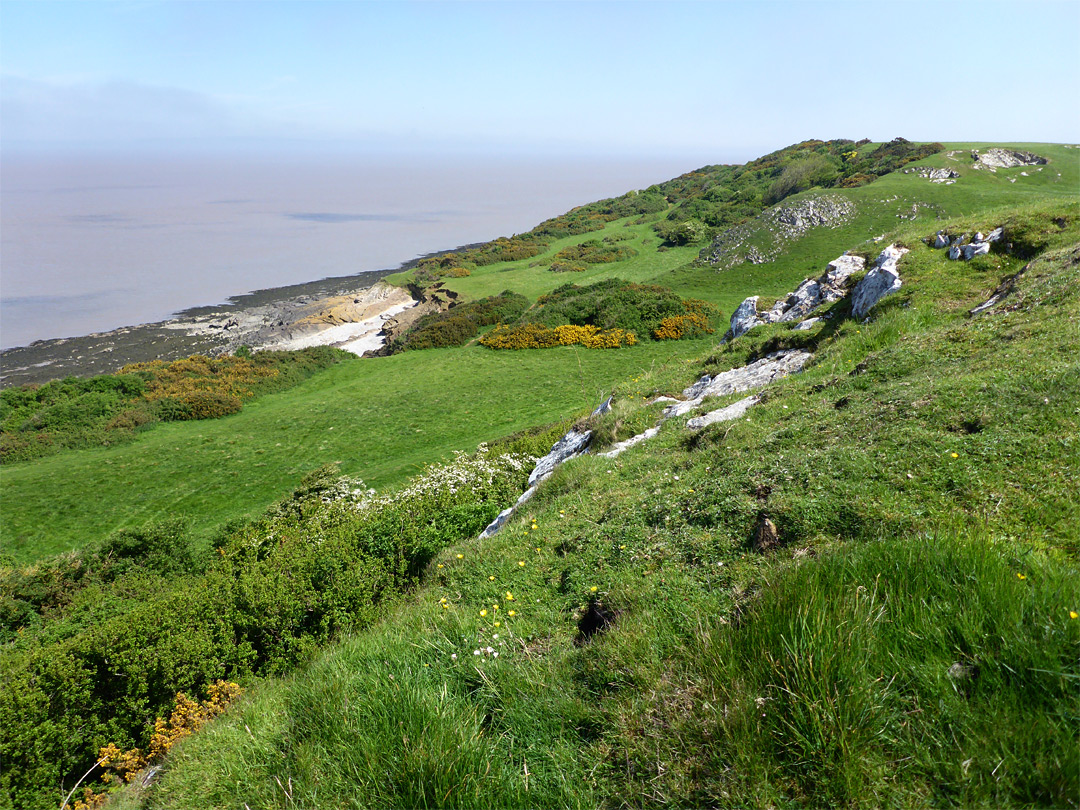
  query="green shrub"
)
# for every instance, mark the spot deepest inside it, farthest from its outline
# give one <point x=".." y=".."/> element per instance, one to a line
<point x="459" y="324"/>
<point x="595" y="251"/>
<point x="100" y="642"/>
<point x="614" y="304"/>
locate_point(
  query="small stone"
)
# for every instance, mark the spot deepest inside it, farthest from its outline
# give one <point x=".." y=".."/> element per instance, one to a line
<point x="765" y="535"/>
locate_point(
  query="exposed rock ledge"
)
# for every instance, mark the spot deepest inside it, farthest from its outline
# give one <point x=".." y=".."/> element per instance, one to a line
<point x="353" y="322"/>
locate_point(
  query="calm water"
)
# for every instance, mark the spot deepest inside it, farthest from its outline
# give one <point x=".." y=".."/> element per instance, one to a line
<point x="88" y="245"/>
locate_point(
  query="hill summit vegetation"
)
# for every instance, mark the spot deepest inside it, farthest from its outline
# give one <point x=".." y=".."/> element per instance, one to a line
<point x="860" y="592"/>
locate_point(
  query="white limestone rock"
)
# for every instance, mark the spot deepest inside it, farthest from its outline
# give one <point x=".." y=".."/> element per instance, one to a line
<point x="745" y="317"/>
<point x="733" y="411"/>
<point x="761" y="372"/>
<point x="622" y="447"/>
<point x="975" y="249"/>
<point x="941" y="240"/>
<point x="883" y="279"/>
<point x="955" y="252"/>
<point x="809" y="323"/>
<point x="570" y="445"/>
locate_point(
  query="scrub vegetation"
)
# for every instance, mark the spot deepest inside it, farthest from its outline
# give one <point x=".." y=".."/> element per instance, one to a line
<point x="909" y="636"/>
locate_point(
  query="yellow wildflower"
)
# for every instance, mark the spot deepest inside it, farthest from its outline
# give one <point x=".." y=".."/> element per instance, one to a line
<point x="592" y="589"/>
<point x="461" y="556"/>
<point x="521" y="563"/>
<point x="509" y="597"/>
<point x="498" y="624"/>
<point x="491" y="578"/>
<point x="483" y="613"/>
<point x="1072" y="614"/>
<point x="514" y="613"/>
<point x="1021" y="576"/>
<point x="955" y="455"/>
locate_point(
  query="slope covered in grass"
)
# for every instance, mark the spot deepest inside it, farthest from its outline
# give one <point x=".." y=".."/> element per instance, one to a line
<point x="384" y="418"/>
<point x="912" y="640"/>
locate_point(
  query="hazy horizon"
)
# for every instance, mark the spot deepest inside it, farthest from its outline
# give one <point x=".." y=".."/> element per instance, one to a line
<point x="93" y="243"/>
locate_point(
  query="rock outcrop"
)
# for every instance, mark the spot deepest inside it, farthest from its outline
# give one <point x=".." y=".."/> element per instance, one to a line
<point x="763" y="238"/>
<point x="883" y="279"/>
<point x="960" y="249"/>
<point x="733" y="411"/>
<point x="760" y="373"/>
<point x="946" y="176"/>
<point x="573" y="443"/>
<point x="621" y="447"/>
<point x="812" y="293"/>
<point x="999" y="158"/>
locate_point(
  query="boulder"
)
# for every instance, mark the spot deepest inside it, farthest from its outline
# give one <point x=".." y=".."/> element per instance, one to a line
<point x="839" y="269"/>
<point x="799" y="303"/>
<point x="975" y="249"/>
<point x="941" y="240"/>
<point x="955" y="252"/>
<point x="995" y="234"/>
<point x="745" y="317"/>
<point x="883" y="279"/>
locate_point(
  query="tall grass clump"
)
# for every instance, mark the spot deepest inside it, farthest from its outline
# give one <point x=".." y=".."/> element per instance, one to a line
<point x="936" y="670"/>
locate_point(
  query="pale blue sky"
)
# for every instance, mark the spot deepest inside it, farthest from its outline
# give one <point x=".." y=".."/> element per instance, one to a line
<point x="715" y="80"/>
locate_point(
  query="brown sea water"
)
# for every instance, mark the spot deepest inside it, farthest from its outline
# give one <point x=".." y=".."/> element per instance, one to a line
<point x="89" y="244"/>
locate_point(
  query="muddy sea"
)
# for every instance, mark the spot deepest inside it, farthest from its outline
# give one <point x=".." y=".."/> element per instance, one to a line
<point x="93" y="243"/>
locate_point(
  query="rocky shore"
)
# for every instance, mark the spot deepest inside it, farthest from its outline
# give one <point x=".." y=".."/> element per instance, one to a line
<point x="357" y="313"/>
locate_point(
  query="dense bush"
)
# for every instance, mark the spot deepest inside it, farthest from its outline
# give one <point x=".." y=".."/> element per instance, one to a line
<point x="462" y="322"/>
<point x="594" y="251"/>
<point x="815" y="170"/>
<point x="614" y="304"/>
<point x="99" y="642"/>
<point x="110" y="408"/>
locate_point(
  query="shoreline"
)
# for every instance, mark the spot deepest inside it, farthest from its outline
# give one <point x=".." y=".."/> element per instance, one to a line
<point x="340" y="311"/>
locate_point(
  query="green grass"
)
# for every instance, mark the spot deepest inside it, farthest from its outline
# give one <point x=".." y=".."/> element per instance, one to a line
<point x="922" y="475"/>
<point x="381" y="420"/>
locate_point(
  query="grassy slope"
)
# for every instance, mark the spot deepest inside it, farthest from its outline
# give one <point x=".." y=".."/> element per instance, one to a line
<point x="383" y="419"/>
<point x="922" y="474"/>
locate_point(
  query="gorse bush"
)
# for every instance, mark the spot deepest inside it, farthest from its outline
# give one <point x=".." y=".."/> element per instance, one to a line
<point x="100" y="642"/>
<point x="678" y="327"/>
<point x="538" y="336"/>
<point x="615" y="304"/>
<point x="111" y="408"/>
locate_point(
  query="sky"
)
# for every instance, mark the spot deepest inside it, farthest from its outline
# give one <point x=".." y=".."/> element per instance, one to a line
<point x="719" y="80"/>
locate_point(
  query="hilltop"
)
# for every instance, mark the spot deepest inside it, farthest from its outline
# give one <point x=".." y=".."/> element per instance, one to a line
<point x="858" y="588"/>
